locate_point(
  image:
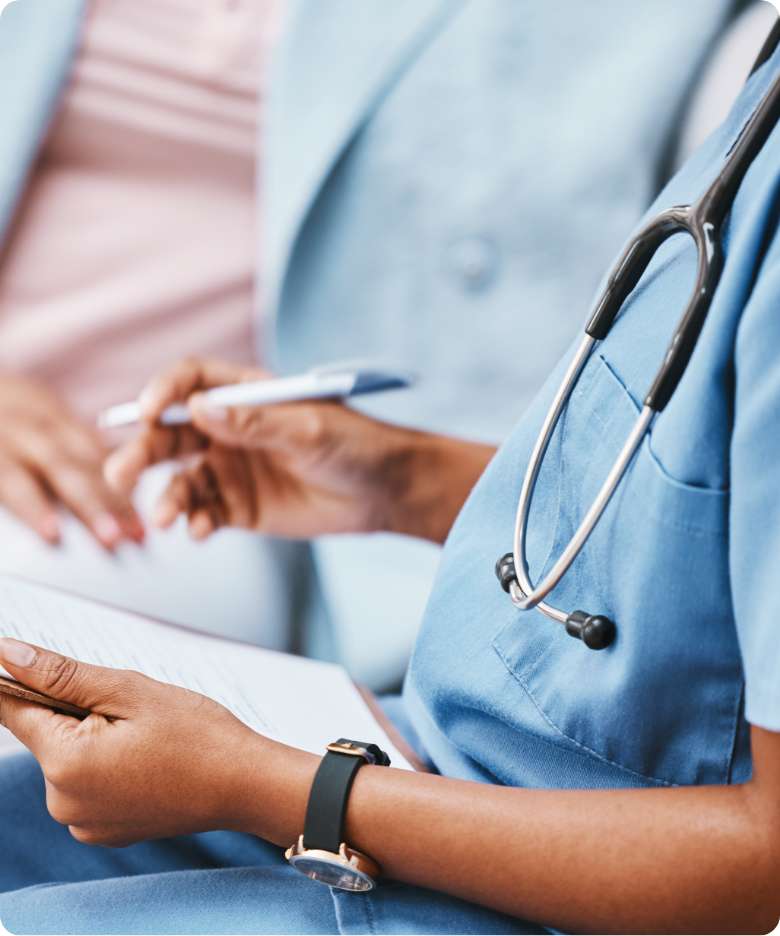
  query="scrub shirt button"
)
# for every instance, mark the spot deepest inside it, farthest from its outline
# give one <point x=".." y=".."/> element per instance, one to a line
<point x="474" y="261"/>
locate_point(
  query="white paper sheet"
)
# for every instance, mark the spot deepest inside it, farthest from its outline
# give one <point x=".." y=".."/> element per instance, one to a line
<point x="304" y="703"/>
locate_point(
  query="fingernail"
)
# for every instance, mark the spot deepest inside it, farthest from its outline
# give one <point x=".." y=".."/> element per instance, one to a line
<point x="200" y="527"/>
<point x="146" y="400"/>
<point x="107" y="529"/>
<point x="112" y="470"/>
<point x="17" y="653"/>
<point x="50" y="528"/>
<point x="136" y="530"/>
<point x="164" y="515"/>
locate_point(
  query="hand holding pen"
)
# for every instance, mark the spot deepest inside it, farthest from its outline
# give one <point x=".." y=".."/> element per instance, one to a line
<point x="256" y="389"/>
<point x="272" y="468"/>
<point x="296" y="469"/>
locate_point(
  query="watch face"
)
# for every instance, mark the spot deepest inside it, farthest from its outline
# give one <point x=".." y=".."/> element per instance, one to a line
<point x="332" y="872"/>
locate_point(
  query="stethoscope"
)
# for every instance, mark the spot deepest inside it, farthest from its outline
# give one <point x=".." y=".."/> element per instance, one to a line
<point x="703" y="221"/>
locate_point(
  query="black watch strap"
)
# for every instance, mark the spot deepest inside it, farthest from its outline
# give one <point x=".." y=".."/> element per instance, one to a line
<point x="327" y="809"/>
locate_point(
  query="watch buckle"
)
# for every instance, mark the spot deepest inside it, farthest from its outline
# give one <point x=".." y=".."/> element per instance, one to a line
<point x="353" y="750"/>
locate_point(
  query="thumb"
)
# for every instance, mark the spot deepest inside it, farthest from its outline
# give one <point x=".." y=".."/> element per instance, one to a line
<point x="286" y="427"/>
<point x="96" y="688"/>
<point x="32" y="724"/>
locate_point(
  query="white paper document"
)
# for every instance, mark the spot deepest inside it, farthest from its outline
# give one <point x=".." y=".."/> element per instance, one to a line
<point x="304" y="703"/>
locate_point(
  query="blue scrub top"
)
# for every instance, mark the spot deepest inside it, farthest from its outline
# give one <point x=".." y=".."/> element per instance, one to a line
<point x="686" y="558"/>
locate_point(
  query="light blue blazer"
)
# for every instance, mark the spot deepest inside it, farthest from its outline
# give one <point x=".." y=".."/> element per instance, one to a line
<point x="37" y="43"/>
<point x="444" y="180"/>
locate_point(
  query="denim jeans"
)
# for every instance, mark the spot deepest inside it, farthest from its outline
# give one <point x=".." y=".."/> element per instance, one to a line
<point x="216" y="882"/>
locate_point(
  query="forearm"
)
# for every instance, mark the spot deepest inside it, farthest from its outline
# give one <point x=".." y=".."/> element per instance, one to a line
<point x="426" y="478"/>
<point x="668" y="860"/>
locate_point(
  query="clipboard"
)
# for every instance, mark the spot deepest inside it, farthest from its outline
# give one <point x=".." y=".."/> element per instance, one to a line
<point x="12" y="687"/>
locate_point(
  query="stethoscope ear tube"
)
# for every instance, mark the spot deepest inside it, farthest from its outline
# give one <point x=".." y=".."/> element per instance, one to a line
<point x="515" y="578"/>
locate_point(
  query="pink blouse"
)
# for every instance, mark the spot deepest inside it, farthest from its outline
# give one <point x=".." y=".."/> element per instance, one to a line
<point x="136" y="242"/>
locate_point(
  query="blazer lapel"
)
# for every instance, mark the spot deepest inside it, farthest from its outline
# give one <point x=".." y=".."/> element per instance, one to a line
<point x="37" y="42"/>
<point x="334" y="64"/>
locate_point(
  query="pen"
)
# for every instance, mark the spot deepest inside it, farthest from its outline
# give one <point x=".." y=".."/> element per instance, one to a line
<point x="322" y="383"/>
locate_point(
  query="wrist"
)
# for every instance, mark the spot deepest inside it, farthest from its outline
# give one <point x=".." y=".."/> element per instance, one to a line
<point x="426" y="479"/>
<point x="269" y="789"/>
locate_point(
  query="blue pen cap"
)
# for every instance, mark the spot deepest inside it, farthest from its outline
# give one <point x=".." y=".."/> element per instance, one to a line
<point x="370" y="377"/>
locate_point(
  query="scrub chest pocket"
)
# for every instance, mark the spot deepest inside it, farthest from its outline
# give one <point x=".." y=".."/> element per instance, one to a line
<point x="664" y="701"/>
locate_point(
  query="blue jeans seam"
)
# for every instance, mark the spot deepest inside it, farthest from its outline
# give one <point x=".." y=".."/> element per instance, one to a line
<point x="345" y="921"/>
<point x="370" y="914"/>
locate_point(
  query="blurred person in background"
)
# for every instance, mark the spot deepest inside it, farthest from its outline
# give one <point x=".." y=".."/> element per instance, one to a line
<point x="127" y="222"/>
<point x="412" y="159"/>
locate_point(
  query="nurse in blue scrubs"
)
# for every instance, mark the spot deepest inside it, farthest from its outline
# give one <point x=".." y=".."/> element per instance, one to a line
<point x="632" y="789"/>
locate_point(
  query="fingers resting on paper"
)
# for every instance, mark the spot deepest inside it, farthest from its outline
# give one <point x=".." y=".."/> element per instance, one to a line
<point x="50" y="459"/>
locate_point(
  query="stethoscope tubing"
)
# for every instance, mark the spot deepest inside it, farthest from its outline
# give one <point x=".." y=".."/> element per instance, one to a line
<point x="702" y="221"/>
<point x="524" y="595"/>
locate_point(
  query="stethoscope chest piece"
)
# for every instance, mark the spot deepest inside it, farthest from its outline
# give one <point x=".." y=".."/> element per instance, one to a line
<point x="595" y="630"/>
